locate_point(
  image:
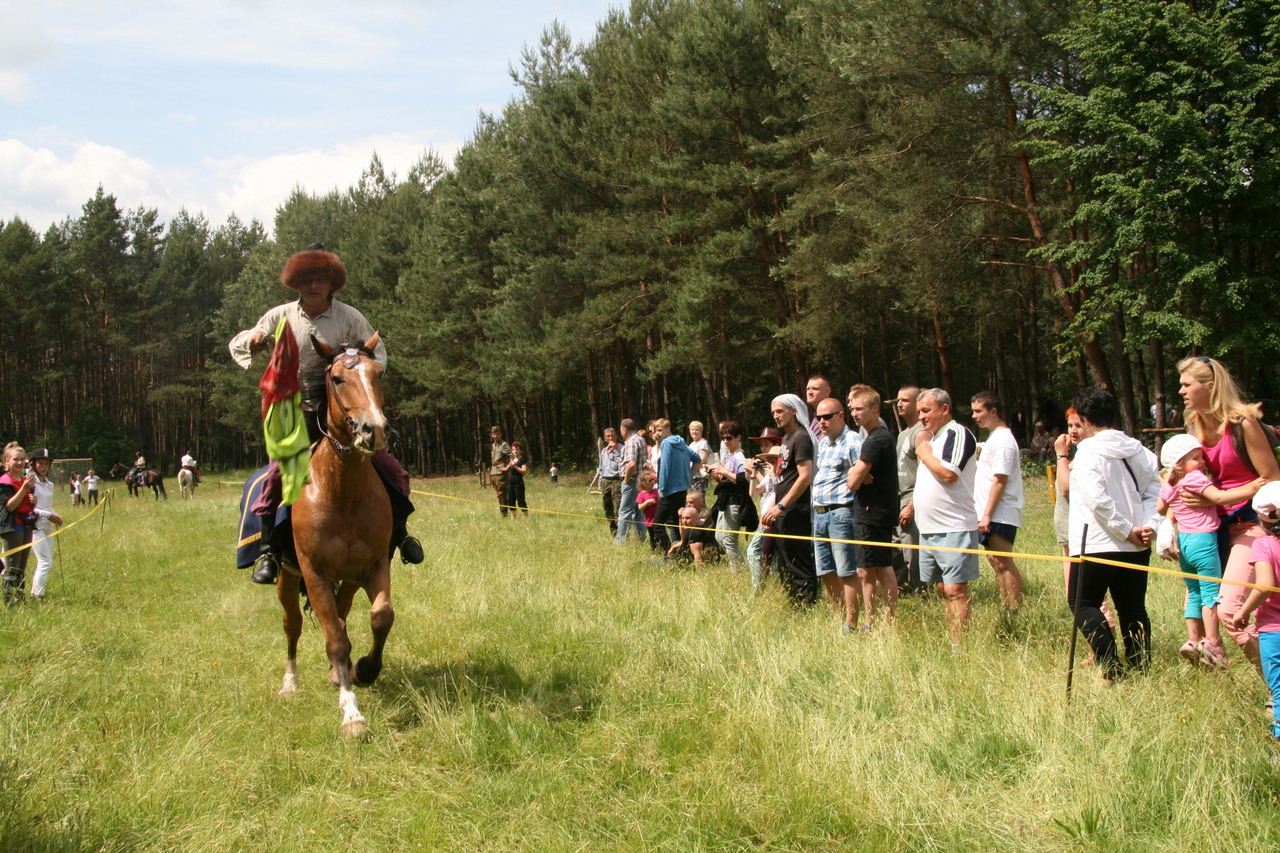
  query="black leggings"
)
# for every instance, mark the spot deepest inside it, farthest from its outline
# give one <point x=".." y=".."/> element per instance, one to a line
<point x="1128" y="588"/>
<point x="16" y="564"/>
<point x="515" y="495"/>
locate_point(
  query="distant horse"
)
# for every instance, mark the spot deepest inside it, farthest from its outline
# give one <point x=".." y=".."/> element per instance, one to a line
<point x="151" y="479"/>
<point x="186" y="483"/>
<point x="342" y="528"/>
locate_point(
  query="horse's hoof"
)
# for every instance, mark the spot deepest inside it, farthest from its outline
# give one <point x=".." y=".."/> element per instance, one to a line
<point x="286" y="692"/>
<point x="355" y="728"/>
<point x="366" y="672"/>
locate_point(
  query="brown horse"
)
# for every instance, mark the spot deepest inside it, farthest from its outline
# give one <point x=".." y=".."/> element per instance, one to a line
<point x="342" y="528"/>
<point x="150" y="479"/>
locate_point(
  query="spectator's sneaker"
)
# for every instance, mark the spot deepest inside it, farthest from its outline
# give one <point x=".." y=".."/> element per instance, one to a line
<point x="1212" y="655"/>
<point x="1191" y="652"/>
<point x="846" y="629"/>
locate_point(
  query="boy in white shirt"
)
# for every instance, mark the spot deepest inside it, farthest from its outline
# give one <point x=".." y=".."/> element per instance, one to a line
<point x="997" y="496"/>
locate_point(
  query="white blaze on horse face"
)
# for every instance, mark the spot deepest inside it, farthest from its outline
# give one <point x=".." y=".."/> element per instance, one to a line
<point x="369" y="427"/>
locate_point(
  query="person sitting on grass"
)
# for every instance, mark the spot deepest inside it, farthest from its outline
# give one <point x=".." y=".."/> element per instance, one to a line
<point x="696" y="541"/>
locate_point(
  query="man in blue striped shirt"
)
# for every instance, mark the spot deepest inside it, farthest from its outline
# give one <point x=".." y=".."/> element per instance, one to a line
<point x="833" y="504"/>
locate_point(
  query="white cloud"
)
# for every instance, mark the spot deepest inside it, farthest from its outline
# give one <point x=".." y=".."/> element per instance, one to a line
<point x="23" y="43"/>
<point x="44" y="188"/>
<point x="289" y="33"/>
<point x="255" y="187"/>
<point x="15" y="86"/>
<point x="183" y="117"/>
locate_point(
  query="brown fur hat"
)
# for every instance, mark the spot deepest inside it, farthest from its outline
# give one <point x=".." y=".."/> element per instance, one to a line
<point x="315" y="261"/>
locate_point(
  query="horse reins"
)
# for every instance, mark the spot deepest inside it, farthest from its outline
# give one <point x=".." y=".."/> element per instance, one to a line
<point x="350" y="355"/>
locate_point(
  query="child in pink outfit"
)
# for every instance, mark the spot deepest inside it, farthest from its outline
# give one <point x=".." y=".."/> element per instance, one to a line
<point x="1266" y="565"/>
<point x="1198" y="554"/>
<point x="647" y="500"/>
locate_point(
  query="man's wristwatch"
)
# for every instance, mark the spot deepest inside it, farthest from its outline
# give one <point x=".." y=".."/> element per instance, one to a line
<point x="781" y="506"/>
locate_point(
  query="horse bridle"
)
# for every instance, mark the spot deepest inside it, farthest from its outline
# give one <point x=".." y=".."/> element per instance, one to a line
<point x="349" y="355"/>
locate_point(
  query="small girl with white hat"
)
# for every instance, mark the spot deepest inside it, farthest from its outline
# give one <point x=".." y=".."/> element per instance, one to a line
<point x="1183" y="457"/>
<point x="1266" y="567"/>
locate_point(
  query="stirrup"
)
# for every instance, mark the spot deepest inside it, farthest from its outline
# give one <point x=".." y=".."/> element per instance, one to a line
<point x="267" y="570"/>
<point x="411" y="550"/>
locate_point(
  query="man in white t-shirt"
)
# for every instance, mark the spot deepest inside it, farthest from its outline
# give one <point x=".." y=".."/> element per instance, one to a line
<point x="997" y="496"/>
<point x="944" y="505"/>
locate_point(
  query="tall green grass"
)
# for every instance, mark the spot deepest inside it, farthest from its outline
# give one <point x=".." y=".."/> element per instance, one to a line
<point x="546" y="690"/>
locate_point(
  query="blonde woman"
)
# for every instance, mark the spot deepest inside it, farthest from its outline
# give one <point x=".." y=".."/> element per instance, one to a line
<point x="699" y="444"/>
<point x="17" y="519"/>
<point x="1237" y="454"/>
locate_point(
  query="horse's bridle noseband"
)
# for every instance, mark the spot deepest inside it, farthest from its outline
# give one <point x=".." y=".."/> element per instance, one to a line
<point x="349" y="355"/>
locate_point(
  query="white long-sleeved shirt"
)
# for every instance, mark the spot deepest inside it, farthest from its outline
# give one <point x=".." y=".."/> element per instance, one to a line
<point x="1106" y="497"/>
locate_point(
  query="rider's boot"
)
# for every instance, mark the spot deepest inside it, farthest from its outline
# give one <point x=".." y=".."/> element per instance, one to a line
<point x="410" y="548"/>
<point x="267" y="568"/>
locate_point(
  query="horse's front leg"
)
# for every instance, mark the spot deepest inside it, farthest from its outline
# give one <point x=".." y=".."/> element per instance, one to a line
<point x="346" y="594"/>
<point x="287" y="592"/>
<point x="381" y="617"/>
<point x="338" y="645"/>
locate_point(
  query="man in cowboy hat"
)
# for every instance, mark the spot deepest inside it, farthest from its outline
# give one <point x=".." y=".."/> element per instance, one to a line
<point x="317" y="275"/>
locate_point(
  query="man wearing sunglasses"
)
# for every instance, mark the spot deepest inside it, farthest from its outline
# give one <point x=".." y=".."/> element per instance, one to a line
<point x="833" y="504"/>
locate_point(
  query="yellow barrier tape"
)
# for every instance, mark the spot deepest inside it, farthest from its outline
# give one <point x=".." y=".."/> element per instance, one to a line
<point x="979" y="551"/>
<point x="62" y="529"/>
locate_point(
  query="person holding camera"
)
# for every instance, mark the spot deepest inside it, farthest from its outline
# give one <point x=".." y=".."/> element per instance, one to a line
<point x="734" y="508"/>
<point x="17" y="519"/>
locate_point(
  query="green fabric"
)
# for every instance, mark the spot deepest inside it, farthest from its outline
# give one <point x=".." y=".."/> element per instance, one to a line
<point x="285" y="429"/>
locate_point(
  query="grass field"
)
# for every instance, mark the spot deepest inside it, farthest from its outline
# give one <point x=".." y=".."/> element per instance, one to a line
<point x="545" y="690"/>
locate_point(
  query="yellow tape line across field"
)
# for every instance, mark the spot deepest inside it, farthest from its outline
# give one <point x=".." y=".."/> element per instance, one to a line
<point x="979" y="551"/>
<point x="62" y="529"/>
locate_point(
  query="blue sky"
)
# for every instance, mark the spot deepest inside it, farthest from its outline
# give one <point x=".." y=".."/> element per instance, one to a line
<point x="224" y="106"/>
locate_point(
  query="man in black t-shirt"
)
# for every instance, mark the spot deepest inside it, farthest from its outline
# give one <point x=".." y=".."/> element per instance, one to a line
<point x="875" y="479"/>
<point x="790" y="515"/>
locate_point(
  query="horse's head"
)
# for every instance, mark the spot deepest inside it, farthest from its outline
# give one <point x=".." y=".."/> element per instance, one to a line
<point x="354" y="383"/>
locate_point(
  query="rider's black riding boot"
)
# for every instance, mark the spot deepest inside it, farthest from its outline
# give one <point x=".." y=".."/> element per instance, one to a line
<point x="268" y="566"/>
<point x="410" y="548"/>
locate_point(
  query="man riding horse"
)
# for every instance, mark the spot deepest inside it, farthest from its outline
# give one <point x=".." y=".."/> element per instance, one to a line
<point x="317" y="275"/>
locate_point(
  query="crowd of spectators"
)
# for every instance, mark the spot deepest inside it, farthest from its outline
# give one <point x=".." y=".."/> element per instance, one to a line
<point x="838" y="495"/>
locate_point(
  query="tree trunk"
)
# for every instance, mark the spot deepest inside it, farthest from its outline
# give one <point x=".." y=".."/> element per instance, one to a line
<point x="1124" y="393"/>
<point x="944" y="356"/>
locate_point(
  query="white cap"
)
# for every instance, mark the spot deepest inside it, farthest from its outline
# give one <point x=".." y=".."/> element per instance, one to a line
<point x="1267" y="501"/>
<point x="1177" y="448"/>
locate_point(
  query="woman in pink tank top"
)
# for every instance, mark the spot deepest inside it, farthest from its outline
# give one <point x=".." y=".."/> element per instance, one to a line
<point x="1213" y="403"/>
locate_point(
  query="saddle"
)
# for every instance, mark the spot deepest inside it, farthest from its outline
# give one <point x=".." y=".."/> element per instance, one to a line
<point x="249" y="535"/>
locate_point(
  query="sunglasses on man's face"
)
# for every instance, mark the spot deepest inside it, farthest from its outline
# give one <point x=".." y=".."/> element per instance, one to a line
<point x="828" y="416"/>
